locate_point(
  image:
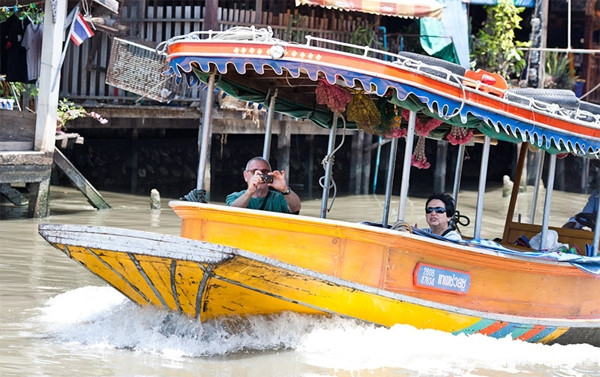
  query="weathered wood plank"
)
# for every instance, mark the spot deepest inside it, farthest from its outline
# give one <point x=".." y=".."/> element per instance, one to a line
<point x="25" y="158"/>
<point x="39" y="198"/>
<point x="14" y="146"/>
<point x="79" y="181"/>
<point x="24" y="173"/>
<point x="220" y="125"/>
<point x="17" y="126"/>
<point x="11" y="194"/>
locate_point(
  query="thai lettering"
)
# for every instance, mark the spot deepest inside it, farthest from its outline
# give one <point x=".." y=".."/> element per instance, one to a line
<point x="443" y="279"/>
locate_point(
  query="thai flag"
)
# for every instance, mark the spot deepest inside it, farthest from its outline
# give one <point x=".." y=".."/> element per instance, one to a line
<point x="81" y="30"/>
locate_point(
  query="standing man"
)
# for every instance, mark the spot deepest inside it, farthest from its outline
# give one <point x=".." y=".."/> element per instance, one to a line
<point x="258" y="195"/>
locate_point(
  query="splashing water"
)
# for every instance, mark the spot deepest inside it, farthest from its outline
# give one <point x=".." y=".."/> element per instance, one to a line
<point x="102" y="317"/>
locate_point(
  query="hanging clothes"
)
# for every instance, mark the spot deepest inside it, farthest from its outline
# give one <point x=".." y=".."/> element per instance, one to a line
<point x="3" y="51"/>
<point x="32" y="42"/>
<point x="16" y="59"/>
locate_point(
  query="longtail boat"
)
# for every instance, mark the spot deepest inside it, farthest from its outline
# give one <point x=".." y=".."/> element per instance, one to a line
<point x="238" y="262"/>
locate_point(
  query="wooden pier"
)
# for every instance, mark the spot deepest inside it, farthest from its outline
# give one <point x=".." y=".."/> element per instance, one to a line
<point x="27" y="140"/>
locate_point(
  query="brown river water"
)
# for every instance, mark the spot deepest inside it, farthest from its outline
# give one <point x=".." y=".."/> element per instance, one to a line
<point x="56" y="319"/>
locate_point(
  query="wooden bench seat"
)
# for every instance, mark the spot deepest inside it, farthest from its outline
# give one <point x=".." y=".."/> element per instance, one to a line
<point x="571" y="237"/>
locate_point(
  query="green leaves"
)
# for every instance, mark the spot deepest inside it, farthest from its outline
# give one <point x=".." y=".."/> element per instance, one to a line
<point x="494" y="48"/>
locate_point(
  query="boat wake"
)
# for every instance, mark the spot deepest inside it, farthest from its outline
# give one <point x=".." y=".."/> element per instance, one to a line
<point x="102" y="317"/>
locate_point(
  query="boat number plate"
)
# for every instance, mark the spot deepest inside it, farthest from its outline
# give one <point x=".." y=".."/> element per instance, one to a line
<point x="441" y="279"/>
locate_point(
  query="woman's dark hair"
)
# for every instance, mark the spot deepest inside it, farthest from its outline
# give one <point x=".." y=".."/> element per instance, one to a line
<point x="448" y="202"/>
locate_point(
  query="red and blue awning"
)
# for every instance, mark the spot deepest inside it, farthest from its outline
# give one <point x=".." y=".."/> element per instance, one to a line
<point x="394" y="8"/>
<point x="253" y="70"/>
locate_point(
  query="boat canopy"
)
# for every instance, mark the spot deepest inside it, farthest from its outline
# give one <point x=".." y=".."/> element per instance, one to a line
<point x="253" y="66"/>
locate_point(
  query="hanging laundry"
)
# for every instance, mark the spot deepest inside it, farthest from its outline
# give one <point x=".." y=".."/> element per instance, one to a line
<point x="32" y="42"/>
<point x="16" y="59"/>
<point x="3" y="51"/>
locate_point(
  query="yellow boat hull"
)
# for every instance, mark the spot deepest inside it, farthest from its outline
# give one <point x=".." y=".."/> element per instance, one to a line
<point x="205" y="281"/>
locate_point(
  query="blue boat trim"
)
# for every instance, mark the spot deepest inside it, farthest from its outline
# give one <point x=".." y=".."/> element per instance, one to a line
<point x="492" y="123"/>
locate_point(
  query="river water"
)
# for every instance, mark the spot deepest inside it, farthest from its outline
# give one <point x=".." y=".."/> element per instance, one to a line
<point x="56" y="319"/>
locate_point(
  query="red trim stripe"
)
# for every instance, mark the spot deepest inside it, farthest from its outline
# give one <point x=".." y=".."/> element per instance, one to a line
<point x="531" y="333"/>
<point x="496" y="326"/>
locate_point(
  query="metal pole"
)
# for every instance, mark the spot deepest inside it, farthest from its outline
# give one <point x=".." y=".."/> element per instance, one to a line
<point x="206" y="123"/>
<point x="458" y="172"/>
<point x="536" y="189"/>
<point x="596" y="234"/>
<point x="485" y="155"/>
<point x="389" y="181"/>
<point x="569" y="24"/>
<point x="269" y="126"/>
<point x="549" y="188"/>
<point x="410" y="136"/>
<point x="377" y="160"/>
<point x="329" y="166"/>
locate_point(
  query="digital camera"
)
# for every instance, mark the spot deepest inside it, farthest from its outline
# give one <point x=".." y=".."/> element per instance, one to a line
<point x="266" y="178"/>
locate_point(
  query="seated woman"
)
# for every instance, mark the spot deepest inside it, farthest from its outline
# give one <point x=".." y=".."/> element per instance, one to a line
<point x="439" y="210"/>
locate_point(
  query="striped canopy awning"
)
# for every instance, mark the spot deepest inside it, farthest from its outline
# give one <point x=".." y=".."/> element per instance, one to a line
<point x="396" y="8"/>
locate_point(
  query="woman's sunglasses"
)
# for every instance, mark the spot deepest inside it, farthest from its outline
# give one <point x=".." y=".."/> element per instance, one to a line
<point x="428" y="210"/>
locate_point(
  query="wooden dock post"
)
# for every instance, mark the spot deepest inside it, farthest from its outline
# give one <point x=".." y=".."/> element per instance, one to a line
<point x="47" y="105"/>
<point x="79" y="181"/>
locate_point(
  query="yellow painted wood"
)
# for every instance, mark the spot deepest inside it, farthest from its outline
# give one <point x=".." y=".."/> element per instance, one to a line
<point x="336" y="299"/>
<point x="122" y="263"/>
<point x="225" y="299"/>
<point x="158" y="271"/>
<point x="386" y="259"/>
<point x="92" y="263"/>
<point x="188" y="276"/>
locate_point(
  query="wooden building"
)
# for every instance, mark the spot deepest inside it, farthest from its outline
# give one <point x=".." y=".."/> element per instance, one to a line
<point x="85" y="71"/>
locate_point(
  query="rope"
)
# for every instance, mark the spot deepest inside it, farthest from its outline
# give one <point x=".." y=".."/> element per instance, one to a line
<point x="402" y="226"/>
<point x="325" y="161"/>
<point x="239" y="33"/>
<point x="590" y="91"/>
<point x="459" y="219"/>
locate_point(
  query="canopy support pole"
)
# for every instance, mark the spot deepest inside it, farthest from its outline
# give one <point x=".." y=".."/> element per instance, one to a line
<point x="596" y="235"/>
<point x="458" y="172"/>
<point x="389" y="181"/>
<point x="329" y="166"/>
<point x="549" y="188"/>
<point x="410" y="136"/>
<point x="536" y="189"/>
<point x="269" y="127"/>
<point x="485" y="155"/>
<point x="206" y="123"/>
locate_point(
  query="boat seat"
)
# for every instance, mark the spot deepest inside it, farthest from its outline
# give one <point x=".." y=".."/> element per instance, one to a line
<point x="578" y="237"/>
<point x="435" y="62"/>
<point x="562" y="97"/>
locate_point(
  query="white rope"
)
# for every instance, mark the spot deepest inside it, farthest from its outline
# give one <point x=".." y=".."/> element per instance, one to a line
<point x="331" y="157"/>
<point x="586" y="94"/>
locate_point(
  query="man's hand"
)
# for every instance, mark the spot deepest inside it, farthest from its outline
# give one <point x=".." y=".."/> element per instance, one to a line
<point x="253" y="182"/>
<point x="279" y="182"/>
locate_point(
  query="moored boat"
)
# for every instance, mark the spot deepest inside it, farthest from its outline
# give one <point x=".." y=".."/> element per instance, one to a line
<point x="231" y="261"/>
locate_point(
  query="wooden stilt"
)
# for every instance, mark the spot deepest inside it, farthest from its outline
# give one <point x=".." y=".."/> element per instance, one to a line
<point x="311" y="163"/>
<point x="356" y="163"/>
<point x="11" y="194"/>
<point x="439" y="182"/>
<point x="366" y="164"/>
<point x="283" y="150"/>
<point x="39" y="193"/>
<point x="79" y="181"/>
